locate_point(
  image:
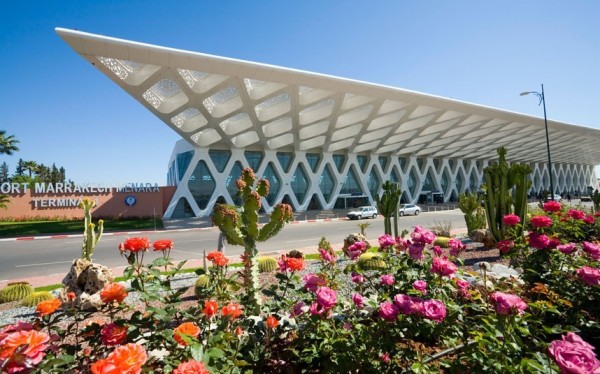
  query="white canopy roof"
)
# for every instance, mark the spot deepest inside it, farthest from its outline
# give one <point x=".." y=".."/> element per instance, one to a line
<point x="220" y="102"/>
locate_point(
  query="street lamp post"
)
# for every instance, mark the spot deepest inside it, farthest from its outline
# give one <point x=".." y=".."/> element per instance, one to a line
<point x="542" y="99"/>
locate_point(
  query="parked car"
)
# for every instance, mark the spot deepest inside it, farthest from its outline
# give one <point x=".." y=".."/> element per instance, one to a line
<point x="406" y="209"/>
<point x="363" y="212"/>
<point x="556" y="197"/>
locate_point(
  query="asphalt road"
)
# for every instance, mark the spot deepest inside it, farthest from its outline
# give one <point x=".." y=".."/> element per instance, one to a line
<point x="41" y="257"/>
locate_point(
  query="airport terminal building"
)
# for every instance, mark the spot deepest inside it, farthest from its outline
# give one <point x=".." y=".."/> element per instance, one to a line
<point x="324" y="142"/>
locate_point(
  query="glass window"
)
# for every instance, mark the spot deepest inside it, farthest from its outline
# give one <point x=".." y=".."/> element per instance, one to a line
<point x="362" y="162"/>
<point x="373" y="183"/>
<point x="254" y="159"/>
<point x="230" y="182"/>
<point x="299" y="184"/>
<point x="326" y="184"/>
<point x="402" y="161"/>
<point x="183" y="161"/>
<point x="350" y="184"/>
<point x="219" y="158"/>
<point x="285" y="160"/>
<point x="274" y="183"/>
<point x="412" y="182"/>
<point x="339" y="161"/>
<point x="460" y="182"/>
<point x="201" y="185"/>
<point x="394" y="177"/>
<point x="182" y="209"/>
<point x="383" y="160"/>
<point x="313" y="160"/>
<point x="429" y="182"/>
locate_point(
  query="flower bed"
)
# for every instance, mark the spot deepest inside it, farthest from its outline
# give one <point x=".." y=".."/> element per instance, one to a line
<point x="413" y="312"/>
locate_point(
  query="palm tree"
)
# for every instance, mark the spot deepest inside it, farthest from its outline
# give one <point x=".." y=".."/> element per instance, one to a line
<point x="8" y="144"/>
<point x="31" y="167"/>
<point x="4" y="199"/>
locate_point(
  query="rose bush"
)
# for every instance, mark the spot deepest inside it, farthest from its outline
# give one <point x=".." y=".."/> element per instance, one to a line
<point x="418" y="313"/>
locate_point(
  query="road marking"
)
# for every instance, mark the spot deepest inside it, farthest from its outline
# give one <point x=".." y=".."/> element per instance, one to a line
<point x="303" y="240"/>
<point x="198" y="240"/>
<point x="43" y="264"/>
<point x="185" y="252"/>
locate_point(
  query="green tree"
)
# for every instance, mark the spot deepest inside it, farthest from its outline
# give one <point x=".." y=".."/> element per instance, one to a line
<point x="31" y="167"/>
<point x="8" y="143"/>
<point x="20" y="170"/>
<point x="4" y="177"/>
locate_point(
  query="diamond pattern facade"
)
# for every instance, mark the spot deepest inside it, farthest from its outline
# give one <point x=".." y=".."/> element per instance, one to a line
<point x="368" y="132"/>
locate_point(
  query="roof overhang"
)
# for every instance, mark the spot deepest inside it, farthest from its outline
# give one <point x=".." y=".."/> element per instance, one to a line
<point x="216" y="102"/>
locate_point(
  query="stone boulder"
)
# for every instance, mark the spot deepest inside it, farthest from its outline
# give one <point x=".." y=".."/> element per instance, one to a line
<point x="86" y="279"/>
<point x="483" y="236"/>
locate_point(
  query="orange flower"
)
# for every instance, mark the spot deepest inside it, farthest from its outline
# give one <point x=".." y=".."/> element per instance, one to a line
<point x="113" y="292"/>
<point x="291" y="263"/>
<point x="272" y="322"/>
<point x="238" y="331"/>
<point x="48" y="307"/>
<point x="112" y="334"/>
<point x="71" y="296"/>
<point x="210" y="308"/>
<point x="186" y="328"/>
<point x="163" y="245"/>
<point x="24" y="348"/>
<point x="135" y="245"/>
<point x="191" y="367"/>
<point x="232" y="309"/>
<point x="217" y="258"/>
<point x="126" y="359"/>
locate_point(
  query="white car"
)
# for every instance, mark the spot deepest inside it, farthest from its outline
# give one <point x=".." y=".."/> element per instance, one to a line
<point x="363" y="212"/>
<point x="406" y="209"/>
<point x="557" y="197"/>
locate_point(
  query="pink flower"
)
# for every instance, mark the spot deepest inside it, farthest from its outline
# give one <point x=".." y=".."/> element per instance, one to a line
<point x="573" y="355"/>
<point x="541" y="221"/>
<point x="416" y="251"/>
<point x="437" y="250"/>
<point x="571" y="337"/>
<point x="456" y="247"/>
<point x="402" y="244"/>
<point x="553" y="242"/>
<point x="421" y="286"/>
<point x="506" y="303"/>
<point x="434" y="310"/>
<point x="327" y="256"/>
<point x="408" y="304"/>
<point x="386" y="240"/>
<point x="576" y="214"/>
<point x="387" y="279"/>
<point x="298" y="309"/>
<point x="388" y="311"/>
<point x="552" y="206"/>
<point x="592" y="249"/>
<point x="463" y="288"/>
<point x="567" y="248"/>
<point x="511" y="219"/>
<point x="312" y="282"/>
<point x="423" y="236"/>
<point x="326" y="297"/>
<point x="442" y="267"/>
<point x="358" y="300"/>
<point x="357" y="278"/>
<point x="385" y="358"/>
<point x="589" y="275"/>
<point x="505" y="246"/>
<point x="589" y="219"/>
<point x="316" y="310"/>
<point x="538" y="241"/>
<point x="356" y="249"/>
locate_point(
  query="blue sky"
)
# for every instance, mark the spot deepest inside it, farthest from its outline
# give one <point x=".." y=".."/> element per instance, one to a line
<point x="65" y="111"/>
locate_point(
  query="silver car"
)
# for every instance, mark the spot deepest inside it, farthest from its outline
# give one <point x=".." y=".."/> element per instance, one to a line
<point x="363" y="212"/>
<point x="406" y="209"/>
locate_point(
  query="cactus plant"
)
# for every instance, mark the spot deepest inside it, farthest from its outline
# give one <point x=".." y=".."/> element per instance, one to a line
<point x="388" y="206"/>
<point x="240" y="226"/>
<point x="201" y="285"/>
<point x="34" y="298"/>
<point x="500" y="180"/>
<point x="267" y="264"/>
<point x="474" y="214"/>
<point x="90" y="236"/>
<point x="596" y="199"/>
<point x="442" y="241"/>
<point x="15" y="291"/>
<point x="371" y="261"/>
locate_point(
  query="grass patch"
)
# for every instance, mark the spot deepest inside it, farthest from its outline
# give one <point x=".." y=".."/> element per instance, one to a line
<point x="32" y="228"/>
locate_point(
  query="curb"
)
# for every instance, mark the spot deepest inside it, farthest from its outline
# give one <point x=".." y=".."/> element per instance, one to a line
<point x="66" y="236"/>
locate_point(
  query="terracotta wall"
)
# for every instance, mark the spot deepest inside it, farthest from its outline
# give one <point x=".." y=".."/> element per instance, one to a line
<point x="110" y="204"/>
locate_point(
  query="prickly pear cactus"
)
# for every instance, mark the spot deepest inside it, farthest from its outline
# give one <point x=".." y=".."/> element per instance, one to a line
<point x="240" y="226"/>
<point x="36" y="297"/>
<point x="15" y="291"/>
<point x="371" y="261"/>
<point x="90" y="236"/>
<point x="267" y="264"/>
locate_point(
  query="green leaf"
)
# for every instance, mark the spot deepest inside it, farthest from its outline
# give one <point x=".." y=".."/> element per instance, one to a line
<point x="197" y="351"/>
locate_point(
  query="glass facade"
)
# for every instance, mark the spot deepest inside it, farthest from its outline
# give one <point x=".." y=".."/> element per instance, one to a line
<point x="254" y="159"/>
<point x="285" y="160"/>
<point x="219" y="158"/>
<point x="383" y="160"/>
<point x="326" y="184"/>
<point x="299" y="184"/>
<point x="373" y="183"/>
<point x="338" y="160"/>
<point x="274" y="183"/>
<point x="362" y="162"/>
<point x="183" y="161"/>
<point x="394" y="177"/>
<point x="230" y="182"/>
<point x="313" y="160"/>
<point x="429" y="185"/>
<point x="350" y="184"/>
<point x="201" y="185"/>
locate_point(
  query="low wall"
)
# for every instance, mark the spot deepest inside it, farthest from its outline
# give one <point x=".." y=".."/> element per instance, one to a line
<point x="25" y="203"/>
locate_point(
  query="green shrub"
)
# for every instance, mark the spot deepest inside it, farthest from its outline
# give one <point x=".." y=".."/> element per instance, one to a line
<point x="36" y="297"/>
<point x="267" y="264"/>
<point x="15" y="291"/>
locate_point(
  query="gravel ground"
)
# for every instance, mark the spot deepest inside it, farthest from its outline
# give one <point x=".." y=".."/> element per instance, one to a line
<point x="11" y="313"/>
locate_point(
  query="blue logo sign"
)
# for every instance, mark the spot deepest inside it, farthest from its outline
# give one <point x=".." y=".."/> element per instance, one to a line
<point x="130" y="200"/>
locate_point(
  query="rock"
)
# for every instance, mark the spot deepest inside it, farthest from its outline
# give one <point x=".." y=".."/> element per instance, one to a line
<point x="483" y="236"/>
<point x="483" y="265"/>
<point x="86" y="279"/>
<point x="489" y="284"/>
<point x="504" y="271"/>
